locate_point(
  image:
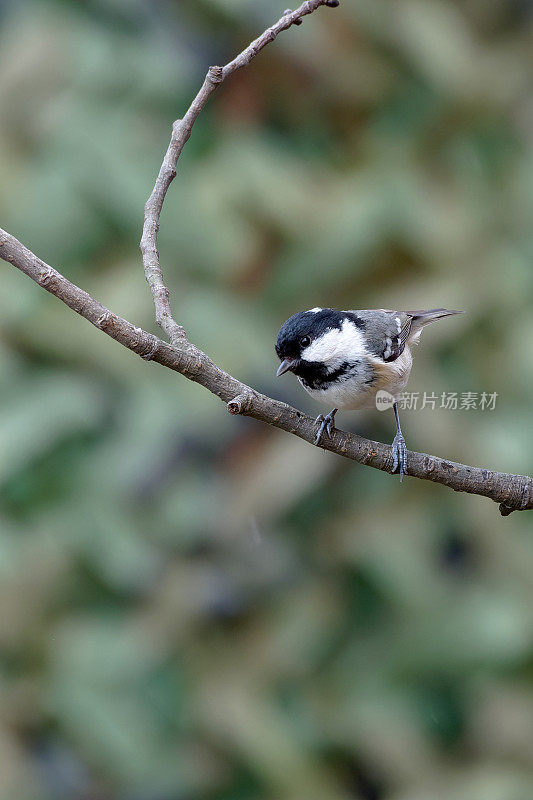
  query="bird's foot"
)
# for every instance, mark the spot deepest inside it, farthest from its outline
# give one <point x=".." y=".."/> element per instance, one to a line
<point x="326" y="425"/>
<point x="399" y="455"/>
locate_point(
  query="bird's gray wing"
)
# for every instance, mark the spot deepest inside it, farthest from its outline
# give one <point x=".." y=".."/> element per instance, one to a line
<point x="386" y="332"/>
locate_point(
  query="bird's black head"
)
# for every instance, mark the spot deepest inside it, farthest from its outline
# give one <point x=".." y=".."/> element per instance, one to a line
<point x="299" y="332"/>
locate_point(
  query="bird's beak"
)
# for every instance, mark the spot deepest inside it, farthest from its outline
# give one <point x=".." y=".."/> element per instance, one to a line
<point x="285" y="366"/>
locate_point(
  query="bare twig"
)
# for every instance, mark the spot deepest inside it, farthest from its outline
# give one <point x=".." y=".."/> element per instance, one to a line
<point x="181" y="131"/>
<point x="512" y="492"/>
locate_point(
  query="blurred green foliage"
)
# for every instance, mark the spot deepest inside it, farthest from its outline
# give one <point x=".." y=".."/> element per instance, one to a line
<point x="194" y="607"/>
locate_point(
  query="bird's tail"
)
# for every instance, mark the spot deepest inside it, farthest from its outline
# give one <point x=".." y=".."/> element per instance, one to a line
<point x="422" y="318"/>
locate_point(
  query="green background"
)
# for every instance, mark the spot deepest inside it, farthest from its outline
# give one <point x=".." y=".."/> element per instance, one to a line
<point x="197" y="607"/>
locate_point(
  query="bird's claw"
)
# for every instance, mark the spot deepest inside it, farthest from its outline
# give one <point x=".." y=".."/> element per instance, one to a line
<point x="399" y="455"/>
<point x="326" y="425"/>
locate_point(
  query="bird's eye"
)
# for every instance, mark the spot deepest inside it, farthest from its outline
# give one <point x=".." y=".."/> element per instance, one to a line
<point x="305" y="341"/>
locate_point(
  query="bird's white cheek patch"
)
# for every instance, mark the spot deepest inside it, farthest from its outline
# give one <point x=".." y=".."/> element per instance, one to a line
<point x="337" y="345"/>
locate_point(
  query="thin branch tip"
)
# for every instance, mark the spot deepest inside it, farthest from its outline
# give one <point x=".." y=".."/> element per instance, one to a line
<point x="296" y="21"/>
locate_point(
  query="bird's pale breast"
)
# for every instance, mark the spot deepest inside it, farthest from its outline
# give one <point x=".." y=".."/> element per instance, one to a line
<point x="355" y="391"/>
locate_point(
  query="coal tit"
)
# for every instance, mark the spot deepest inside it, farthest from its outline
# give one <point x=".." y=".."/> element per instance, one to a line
<point x="344" y="358"/>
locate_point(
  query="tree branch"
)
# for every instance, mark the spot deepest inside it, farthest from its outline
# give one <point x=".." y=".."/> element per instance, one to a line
<point x="181" y="131"/>
<point x="512" y="492"/>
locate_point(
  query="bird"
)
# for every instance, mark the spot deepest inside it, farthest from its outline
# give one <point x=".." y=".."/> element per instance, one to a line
<point x="352" y="359"/>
